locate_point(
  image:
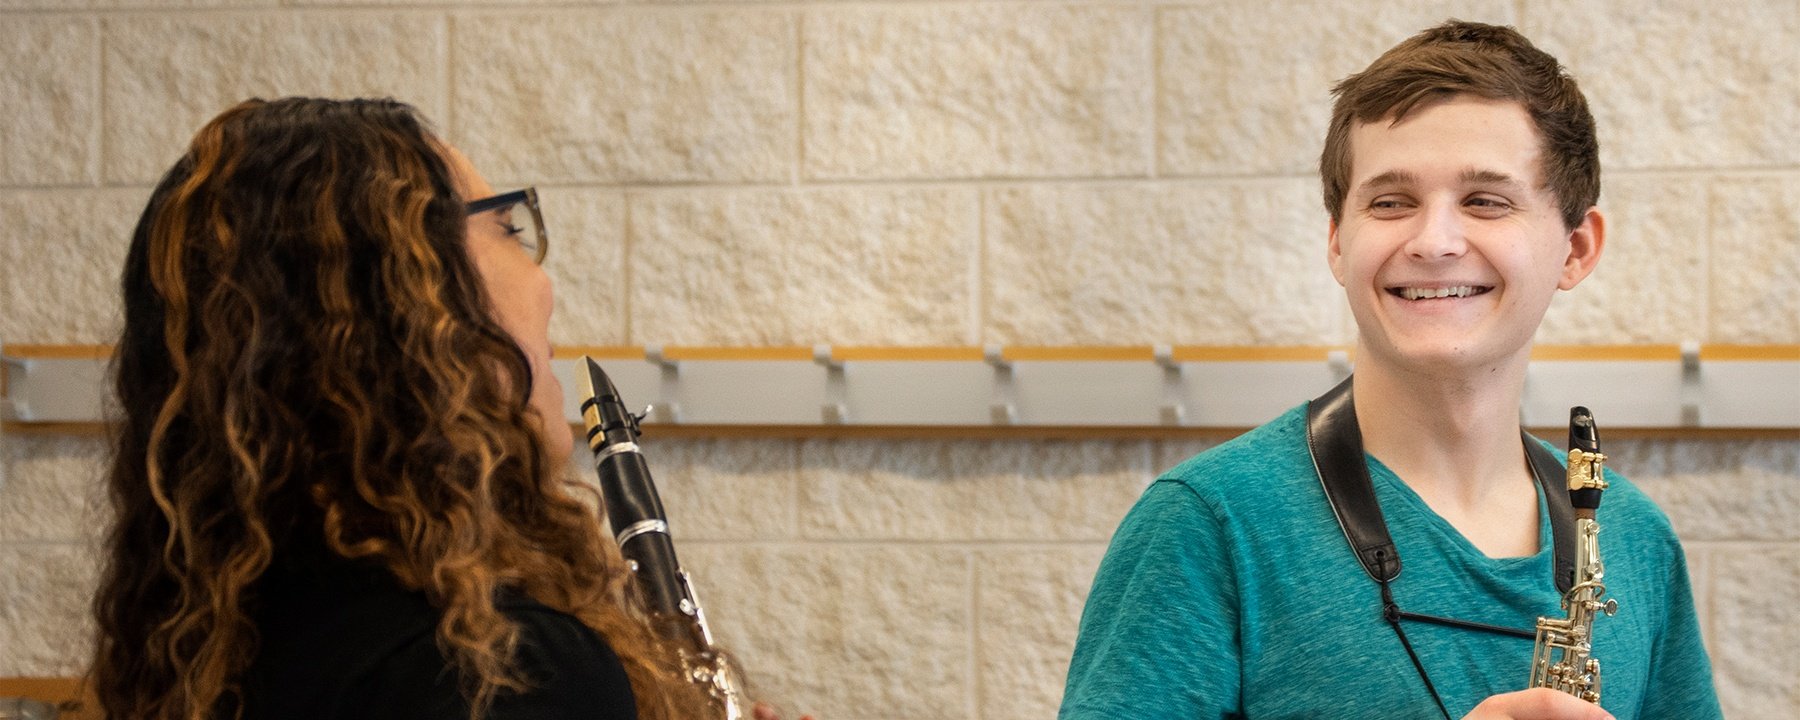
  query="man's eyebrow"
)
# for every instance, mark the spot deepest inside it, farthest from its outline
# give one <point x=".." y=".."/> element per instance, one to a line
<point x="1473" y="176"/>
<point x="1390" y="178"/>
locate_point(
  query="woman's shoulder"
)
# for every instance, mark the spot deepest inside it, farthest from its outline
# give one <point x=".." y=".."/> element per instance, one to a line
<point x="567" y="664"/>
<point x="568" y="669"/>
<point x="352" y="643"/>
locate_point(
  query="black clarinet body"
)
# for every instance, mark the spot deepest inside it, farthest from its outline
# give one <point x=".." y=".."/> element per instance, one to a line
<point x="641" y="528"/>
<point x="633" y="506"/>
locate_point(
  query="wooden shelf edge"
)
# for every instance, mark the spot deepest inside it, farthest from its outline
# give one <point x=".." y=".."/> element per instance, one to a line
<point x="67" y="692"/>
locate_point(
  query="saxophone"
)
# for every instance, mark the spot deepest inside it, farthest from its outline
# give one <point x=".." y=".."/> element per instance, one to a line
<point x="642" y="531"/>
<point x="1563" y="658"/>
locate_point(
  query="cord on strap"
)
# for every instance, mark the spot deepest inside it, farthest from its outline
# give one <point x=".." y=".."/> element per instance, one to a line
<point x="1390" y="611"/>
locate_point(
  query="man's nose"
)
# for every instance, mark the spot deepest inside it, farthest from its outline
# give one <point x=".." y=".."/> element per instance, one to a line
<point x="1442" y="233"/>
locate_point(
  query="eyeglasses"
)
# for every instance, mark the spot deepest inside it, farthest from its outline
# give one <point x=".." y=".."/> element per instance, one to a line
<point x="526" y="227"/>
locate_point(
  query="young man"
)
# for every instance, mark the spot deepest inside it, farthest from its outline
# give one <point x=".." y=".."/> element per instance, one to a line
<point x="1460" y="173"/>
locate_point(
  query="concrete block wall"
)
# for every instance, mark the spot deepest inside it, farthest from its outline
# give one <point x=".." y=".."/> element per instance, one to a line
<point x="902" y="172"/>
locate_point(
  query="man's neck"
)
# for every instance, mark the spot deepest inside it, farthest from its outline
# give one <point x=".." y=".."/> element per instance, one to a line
<point x="1453" y="436"/>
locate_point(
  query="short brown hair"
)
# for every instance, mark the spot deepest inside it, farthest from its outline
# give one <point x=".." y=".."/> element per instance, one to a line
<point x="1489" y="61"/>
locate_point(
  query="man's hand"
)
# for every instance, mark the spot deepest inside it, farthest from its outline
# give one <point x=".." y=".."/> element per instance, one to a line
<point x="1537" y="704"/>
<point x="765" y="711"/>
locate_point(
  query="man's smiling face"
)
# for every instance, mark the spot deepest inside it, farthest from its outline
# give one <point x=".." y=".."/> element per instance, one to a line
<point x="1450" y="246"/>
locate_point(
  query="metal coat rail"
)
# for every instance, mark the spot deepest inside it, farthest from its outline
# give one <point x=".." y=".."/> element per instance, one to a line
<point x="1021" y="390"/>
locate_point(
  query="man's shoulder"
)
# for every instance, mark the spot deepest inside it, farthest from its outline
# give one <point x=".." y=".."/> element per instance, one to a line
<point x="1272" y="453"/>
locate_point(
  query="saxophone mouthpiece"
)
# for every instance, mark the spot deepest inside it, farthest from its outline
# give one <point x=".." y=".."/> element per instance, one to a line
<point x="1586" y="479"/>
<point x="1582" y="431"/>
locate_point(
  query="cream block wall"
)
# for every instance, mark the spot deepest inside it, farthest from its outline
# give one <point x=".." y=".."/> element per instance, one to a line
<point x="1203" y="262"/>
<point x="1244" y="84"/>
<point x="912" y="172"/>
<point x="629" y="95"/>
<point x="977" y="90"/>
<point x="865" y="266"/>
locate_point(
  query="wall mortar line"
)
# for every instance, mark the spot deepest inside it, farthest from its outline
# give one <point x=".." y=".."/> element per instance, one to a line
<point x="447" y="73"/>
<point x="1708" y="234"/>
<point x="628" y="243"/>
<point x="652" y="186"/>
<point x="1156" y="93"/>
<point x="976" y="661"/>
<point x="799" y="166"/>
<point x="97" y="164"/>
<point x="978" y="261"/>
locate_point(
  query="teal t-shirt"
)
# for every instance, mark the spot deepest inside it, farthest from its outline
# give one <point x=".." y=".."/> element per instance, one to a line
<point x="1230" y="592"/>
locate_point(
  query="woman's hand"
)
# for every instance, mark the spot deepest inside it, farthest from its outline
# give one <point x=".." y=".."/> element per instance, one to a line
<point x="1533" y="704"/>
<point x="765" y="711"/>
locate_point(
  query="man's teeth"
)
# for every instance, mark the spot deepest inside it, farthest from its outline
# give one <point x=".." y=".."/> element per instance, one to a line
<point x="1460" y="291"/>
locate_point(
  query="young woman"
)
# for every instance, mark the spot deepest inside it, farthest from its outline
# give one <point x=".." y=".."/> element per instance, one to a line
<point x="337" y="473"/>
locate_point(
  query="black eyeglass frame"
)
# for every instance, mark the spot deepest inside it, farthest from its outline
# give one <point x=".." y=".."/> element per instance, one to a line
<point x="527" y="197"/>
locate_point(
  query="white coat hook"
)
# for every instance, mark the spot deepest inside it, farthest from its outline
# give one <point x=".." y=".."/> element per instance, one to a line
<point x="1339" y="361"/>
<point x="1004" y="410"/>
<point x="1691" y="389"/>
<point x="669" y="386"/>
<point x="834" y="411"/>
<point x="12" y="408"/>
<point x="1173" y="410"/>
<point x="995" y="355"/>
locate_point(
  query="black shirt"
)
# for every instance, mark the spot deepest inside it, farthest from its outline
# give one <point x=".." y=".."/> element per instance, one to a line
<point x="343" y="641"/>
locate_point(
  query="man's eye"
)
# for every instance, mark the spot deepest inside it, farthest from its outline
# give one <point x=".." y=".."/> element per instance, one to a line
<point x="1385" y="207"/>
<point x="1488" y="205"/>
<point x="512" y="229"/>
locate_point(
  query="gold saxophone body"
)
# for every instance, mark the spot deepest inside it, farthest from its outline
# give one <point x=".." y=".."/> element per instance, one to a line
<point x="1563" y="658"/>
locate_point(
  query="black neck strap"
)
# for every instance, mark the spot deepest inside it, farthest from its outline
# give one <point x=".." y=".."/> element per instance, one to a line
<point x="1335" y="442"/>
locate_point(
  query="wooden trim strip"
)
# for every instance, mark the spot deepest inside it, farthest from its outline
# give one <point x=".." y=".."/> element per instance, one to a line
<point x="777" y="352"/>
<point x="1779" y="352"/>
<point x="1727" y="351"/>
<point x="870" y="353"/>
<point x="1606" y="352"/>
<point x="75" y="429"/>
<point x="601" y="352"/>
<point x="1252" y="353"/>
<point x="68" y="692"/>
<point x="58" y="352"/>
<point x="1078" y="353"/>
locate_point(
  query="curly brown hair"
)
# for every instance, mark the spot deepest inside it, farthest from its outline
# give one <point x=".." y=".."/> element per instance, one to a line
<point x="309" y="361"/>
<point x="1489" y="61"/>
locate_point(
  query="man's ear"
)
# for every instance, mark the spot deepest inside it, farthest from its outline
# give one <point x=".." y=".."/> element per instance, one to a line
<point x="1586" y="242"/>
<point x="1334" y="255"/>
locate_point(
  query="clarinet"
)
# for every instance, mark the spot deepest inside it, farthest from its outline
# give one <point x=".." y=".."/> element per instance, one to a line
<point x="1563" y="658"/>
<point x="642" y="531"/>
